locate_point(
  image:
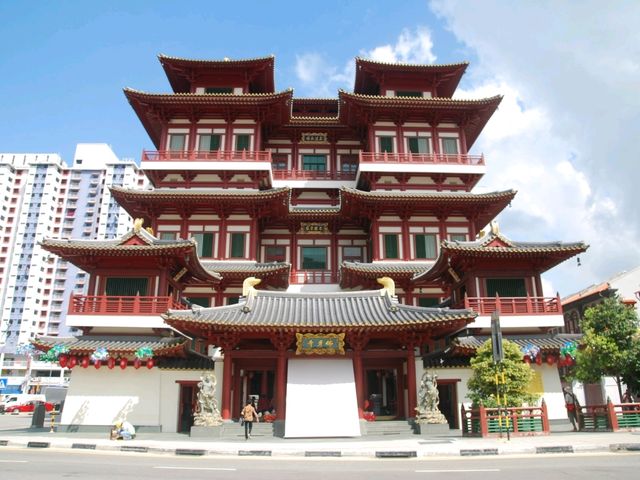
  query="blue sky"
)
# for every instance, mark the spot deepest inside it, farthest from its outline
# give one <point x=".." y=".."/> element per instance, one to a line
<point x="64" y="64"/>
<point x="565" y="135"/>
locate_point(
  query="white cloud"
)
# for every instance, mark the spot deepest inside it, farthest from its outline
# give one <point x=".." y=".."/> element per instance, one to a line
<point x="320" y="78"/>
<point x="566" y="133"/>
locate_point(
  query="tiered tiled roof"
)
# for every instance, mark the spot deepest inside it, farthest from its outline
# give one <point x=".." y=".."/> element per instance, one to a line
<point x="264" y="311"/>
<point x="550" y="343"/>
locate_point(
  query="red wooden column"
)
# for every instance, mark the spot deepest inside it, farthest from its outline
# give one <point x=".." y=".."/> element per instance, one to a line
<point x="222" y="238"/>
<point x="253" y="239"/>
<point x="227" y="342"/>
<point x="411" y="379"/>
<point x="281" y="342"/>
<point x="226" y="385"/>
<point x="406" y="245"/>
<point x="358" y="341"/>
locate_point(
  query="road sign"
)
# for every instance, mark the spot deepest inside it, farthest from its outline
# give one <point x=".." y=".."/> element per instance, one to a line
<point x="3" y="383"/>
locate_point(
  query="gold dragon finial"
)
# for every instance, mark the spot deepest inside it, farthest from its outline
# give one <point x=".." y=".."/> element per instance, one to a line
<point x="137" y="224"/>
<point x="249" y="284"/>
<point x="388" y="284"/>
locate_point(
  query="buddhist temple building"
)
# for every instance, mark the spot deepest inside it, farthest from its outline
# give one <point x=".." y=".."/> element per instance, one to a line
<point x="317" y="254"/>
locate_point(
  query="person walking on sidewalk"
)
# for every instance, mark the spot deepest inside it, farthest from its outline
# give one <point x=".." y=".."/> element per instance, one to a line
<point x="573" y="408"/>
<point x="249" y="415"/>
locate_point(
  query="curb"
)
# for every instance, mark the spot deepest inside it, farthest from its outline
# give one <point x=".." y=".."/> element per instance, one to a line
<point x="345" y="453"/>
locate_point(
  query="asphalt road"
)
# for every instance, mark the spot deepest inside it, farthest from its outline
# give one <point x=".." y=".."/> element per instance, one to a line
<point x="17" y="464"/>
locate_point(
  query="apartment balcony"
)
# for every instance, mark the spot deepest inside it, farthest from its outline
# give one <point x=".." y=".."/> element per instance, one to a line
<point x="206" y="156"/>
<point x="313" y="175"/>
<point x="107" y="305"/>
<point x="516" y="312"/>
<point x="313" y="277"/>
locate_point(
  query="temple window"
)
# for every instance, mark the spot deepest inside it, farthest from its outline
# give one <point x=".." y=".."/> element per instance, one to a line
<point x="204" y="244"/>
<point x="314" y="162"/>
<point x="202" y="301"/>
<point x="449" y="145"/>
<point x="168" y="235"/>
<point x="349" y="163"/>
<point x="209" y="142"/>
<point x="418" y="145"/>
<point x="237" y="245"/>
<point x="177" y="142"/>
<point x="506" y="287"/>
<point x="385" y="144"/>
<point x="232" y="300"/>
<point x="408" y="93"/>
<point x="391" y="245"/>
<point x="279" y="161"/>
<point x="126" y="286"/>
<point x="314" y="258"/>
<point x="426" y="246"/>
<point x="243" y="141"/>
<point x="428" y="301"/>
<point x="275" y="254"/>
<point x="218" y="90"/>
<point x="458" y="237"/>
<point x="352" y="254"/>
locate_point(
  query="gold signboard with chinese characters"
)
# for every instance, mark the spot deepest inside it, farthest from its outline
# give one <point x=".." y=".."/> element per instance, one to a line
<point x="313" y="138"/>
<point x="320" y="343"/>
<point x="314" y="227"/>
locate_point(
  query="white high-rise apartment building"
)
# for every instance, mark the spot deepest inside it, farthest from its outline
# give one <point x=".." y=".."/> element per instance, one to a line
<point x="40" y="196"/>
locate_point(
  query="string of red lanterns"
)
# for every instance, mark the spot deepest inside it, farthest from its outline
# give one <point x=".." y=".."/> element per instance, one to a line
<point x="71" y="361"/>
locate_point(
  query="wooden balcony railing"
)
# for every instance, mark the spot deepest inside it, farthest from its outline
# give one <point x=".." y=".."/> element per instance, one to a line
<point x="313" y="277"/>
<point x="105" y="305"/>
<point x="312" y="175"/>
<point x="422" y="158"/>
<point x="514" y="305"/>
<point x="609" y="417"/>
<point x="203" y="156"/>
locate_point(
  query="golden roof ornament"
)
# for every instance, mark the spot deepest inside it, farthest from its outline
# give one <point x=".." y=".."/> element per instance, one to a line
<point x="137" y="224"/>
<point x="249" y="284"/>
<point x="388" y="284"/>
<point x="495" y="229"/>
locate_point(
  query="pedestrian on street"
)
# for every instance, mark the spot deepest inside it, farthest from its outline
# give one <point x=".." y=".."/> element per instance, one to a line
<point x="249" y="415"/>
<point x="573" y="408"/>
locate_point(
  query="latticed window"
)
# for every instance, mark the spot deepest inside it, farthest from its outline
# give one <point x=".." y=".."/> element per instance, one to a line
<point x="314" y="162"/>
<point x="243" y="141"/>
<point x="237" y="245"/>
<point x="391" y="246"/>
<point x="205" y="244"/>
<point x="209" y="143"/>
<point x="202" y="301"/>
<point x="450" y="146"/>
<point x="426" y="246"/>
<point x="126" y="287"/>
<point x="314" y="258"/>
<point x="428" y="301"/>
<point x="386" y="144"/>
<point x="418" y="144"/>
<point x="177" y="142"/>
<point x="506" y="287"/>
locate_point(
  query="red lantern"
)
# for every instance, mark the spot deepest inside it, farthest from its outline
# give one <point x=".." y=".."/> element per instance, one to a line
<point x="84" y="362"/>
<point x="551" y="359"/>
<point x="150" y="363"/>
<point x="111" y="363"/>
<point x="97" y="364"/>
<point x="62" y="360"/>
<point x="123" y="363"/>
<point x="570" y="361"/>
<point x="527" y="359"/>
<point x="137" y="363"/>
<point x="539" y="360"/>
<point x="73" y="361"/>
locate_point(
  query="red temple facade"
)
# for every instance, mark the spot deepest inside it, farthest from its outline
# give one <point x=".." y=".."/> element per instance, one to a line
<point x="261" y="248"/>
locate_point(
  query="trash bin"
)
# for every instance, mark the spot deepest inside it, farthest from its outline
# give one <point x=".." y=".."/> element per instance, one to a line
<point x="37" y="421"/>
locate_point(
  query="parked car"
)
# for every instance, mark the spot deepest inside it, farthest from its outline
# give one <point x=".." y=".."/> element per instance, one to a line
<point x="14" y="399"/>
<point x="29" y="407"/>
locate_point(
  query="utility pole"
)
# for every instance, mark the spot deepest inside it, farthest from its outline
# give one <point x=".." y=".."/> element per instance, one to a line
<point x="498" y="357"/>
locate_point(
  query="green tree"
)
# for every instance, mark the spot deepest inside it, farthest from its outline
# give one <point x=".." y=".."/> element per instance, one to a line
<point x="610" y="345"/>
<point x="518" y="376"/>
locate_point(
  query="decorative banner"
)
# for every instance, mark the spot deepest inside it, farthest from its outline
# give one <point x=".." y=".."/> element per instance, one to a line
<point x="320" y="344"/>
<point x="530" y="350"/>
<point x="306" y="227"/>
<point x="313" y="138"/>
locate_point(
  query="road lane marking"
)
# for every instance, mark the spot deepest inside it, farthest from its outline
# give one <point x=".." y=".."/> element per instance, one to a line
<point x="197" y="468"/>
<point x="13" y="461"/>
<point x="465" y="470"/>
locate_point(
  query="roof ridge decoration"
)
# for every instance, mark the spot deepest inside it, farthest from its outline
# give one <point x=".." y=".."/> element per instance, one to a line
<point x="281" y="93"/>
<point x="426" y="100"/>
<point x="162" y="56"/>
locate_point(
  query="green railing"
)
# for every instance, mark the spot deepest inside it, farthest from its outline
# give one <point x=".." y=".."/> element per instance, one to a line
<point x="518" y="421"/>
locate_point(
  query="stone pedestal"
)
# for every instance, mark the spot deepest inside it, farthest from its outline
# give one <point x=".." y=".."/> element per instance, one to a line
<point x="426" y="429"/>
<point x="206" y="432"/>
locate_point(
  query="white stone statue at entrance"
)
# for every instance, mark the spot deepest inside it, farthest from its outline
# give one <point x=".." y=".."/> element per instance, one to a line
<point x="428" y="399"/>
<point x="207" y="413"/>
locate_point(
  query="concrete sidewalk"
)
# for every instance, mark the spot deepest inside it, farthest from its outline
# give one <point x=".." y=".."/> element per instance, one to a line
<point x="392" y="446"/>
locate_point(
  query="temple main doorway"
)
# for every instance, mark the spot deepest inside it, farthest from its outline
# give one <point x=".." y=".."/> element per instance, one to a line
<point x="382" y="393"/>
<point x="254" y="379"/>
<point x="187" y="404"/>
